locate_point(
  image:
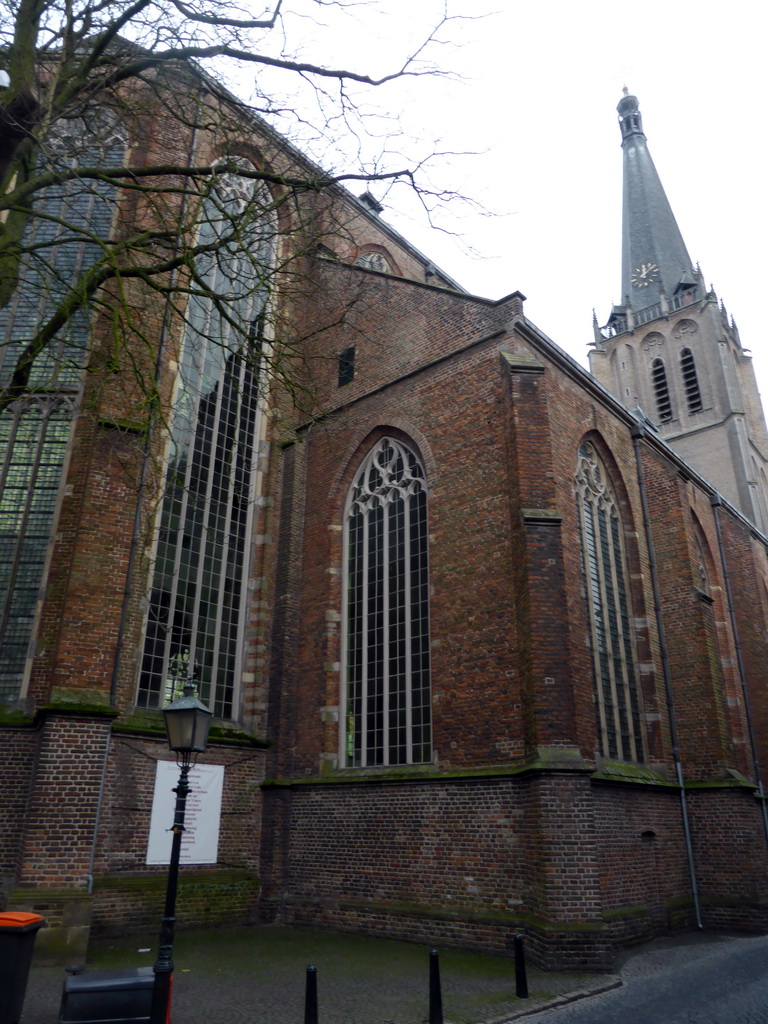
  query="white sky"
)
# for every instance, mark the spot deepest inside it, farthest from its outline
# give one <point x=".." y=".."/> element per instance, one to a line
<point x="540" y="84"/>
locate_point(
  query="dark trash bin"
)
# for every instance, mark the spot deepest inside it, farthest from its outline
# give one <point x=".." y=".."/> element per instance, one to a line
<point x="108" y="997"/>
<point x="18" y="932"/>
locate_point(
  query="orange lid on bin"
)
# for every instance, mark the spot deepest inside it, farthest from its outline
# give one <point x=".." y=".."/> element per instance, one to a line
<point x="18" y="919"/>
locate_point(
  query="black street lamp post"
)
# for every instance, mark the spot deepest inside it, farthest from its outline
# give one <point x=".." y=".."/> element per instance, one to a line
<point x="186" y="722"/>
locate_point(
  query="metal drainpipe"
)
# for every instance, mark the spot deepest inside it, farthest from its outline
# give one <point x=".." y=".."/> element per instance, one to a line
<point x="637" y="433"/>
<point x="717" y="503"/>
<point x="137" y="525"/>
<point x="97" y="820"/>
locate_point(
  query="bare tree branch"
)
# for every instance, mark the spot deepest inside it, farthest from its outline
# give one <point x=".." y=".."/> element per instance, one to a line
<point x="78" y="67"/>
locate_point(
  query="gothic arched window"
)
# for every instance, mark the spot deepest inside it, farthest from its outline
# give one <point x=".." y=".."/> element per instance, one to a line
<point x="386" y="611"/>
<point x="197" y="604"/>
<point x="374" y="261"/>
<point x="618" y="698"/>
<point x="690" y="381"/>
<point x="61" y="241"/>
<point x="661" y="390"/>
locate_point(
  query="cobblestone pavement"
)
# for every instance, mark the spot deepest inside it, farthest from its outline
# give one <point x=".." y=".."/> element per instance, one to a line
<point x="697" y="978"/>
<point x="257" y="975"/>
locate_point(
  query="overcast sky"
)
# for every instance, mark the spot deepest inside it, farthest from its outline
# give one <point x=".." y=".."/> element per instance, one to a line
<point x="537" y="103"/>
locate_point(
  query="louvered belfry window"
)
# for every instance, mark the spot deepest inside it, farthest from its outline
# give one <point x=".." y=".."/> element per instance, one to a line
<point x="618" y="701"/>
<point x="661" y="390"/>
<point x="690" y="381"/>
<point x="386" y="612"/>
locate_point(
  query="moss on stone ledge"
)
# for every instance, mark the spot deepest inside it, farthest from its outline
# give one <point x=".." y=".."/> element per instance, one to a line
<point x="16" y="719"/>
<point x="624" y="913"/>
<point x="621" y="771"/>
<point x="150" y="724"/>
<point x="156" y="881"/>
<point x="78" y="707"/>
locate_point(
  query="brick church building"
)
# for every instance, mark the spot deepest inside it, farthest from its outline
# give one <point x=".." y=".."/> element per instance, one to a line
<point x="483" y="633"/>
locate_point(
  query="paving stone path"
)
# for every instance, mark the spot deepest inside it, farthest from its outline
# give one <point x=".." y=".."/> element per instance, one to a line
<point x="257" y="976"/>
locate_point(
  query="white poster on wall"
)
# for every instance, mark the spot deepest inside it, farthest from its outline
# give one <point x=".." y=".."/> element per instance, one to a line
<point x="200" y="841"/>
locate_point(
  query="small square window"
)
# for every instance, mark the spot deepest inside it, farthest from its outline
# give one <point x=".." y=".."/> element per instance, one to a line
<point x="346" y="366"/>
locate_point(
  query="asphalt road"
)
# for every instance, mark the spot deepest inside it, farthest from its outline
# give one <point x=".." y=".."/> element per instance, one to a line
<point x="694" y="979"/>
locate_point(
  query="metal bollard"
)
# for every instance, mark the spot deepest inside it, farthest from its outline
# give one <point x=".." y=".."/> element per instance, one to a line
<point x="310" y="996"/>
<point x="435" y="995"/>
<point x="521" y="978"/>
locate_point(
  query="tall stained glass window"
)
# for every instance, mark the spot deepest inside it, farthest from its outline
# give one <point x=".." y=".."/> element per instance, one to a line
<point x="617" y="693"/>
<point x="59" y="244"/>
<point x="386" y="612"/>
<point x="197" y="603"/>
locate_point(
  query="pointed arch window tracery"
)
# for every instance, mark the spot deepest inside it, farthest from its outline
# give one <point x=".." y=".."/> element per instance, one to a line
<point x="60" y="242"/>
<point x="386" y="664"/>
<point x="618" y="703"/>
<point x="197" y="605"/>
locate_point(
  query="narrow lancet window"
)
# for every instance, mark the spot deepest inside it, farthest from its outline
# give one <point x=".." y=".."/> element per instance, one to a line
<point x="661" y="390"/>
<point x="347" y="366"/>
<point x="386" y="612"/>
<point x="617" y="695"/>
<point x="690" y="381"/>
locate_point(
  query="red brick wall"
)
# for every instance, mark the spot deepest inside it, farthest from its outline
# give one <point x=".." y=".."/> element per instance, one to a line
<point x="467" y="861"/>
<point x="130" y="781"/>
<point x="63" y="801"/>
<point x="642" y="853"/>
<point x="17" y="755"/>
<point x="512" y="669"/>
<point x="730" y="849"/>
<point x="472" y="610"/>
<point x="49" y="828"/>
<point x="84" y="594"/>
<point x="124" y="903"/>
<point x="748" y="569"/>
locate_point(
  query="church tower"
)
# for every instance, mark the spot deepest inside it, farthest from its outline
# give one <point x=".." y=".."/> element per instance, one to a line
<point x="671" y="350"/>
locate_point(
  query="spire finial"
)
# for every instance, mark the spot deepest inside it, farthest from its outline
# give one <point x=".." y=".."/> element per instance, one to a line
<point x="630" y="120"/>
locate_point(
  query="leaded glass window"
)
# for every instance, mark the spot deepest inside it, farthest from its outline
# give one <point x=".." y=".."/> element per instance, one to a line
<point x="33" y="439"/>
<point x="198" y="598"/>
<point x="616" y="685"/>
<point x="59" y="244"/>
<point x="386" y="612"/>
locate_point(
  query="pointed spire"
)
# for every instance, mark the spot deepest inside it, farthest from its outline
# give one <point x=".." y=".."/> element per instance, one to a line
<point x="654" y="256"/>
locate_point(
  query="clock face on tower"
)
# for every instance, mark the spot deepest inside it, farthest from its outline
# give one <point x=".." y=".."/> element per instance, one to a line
<point x="643" y="275"/>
